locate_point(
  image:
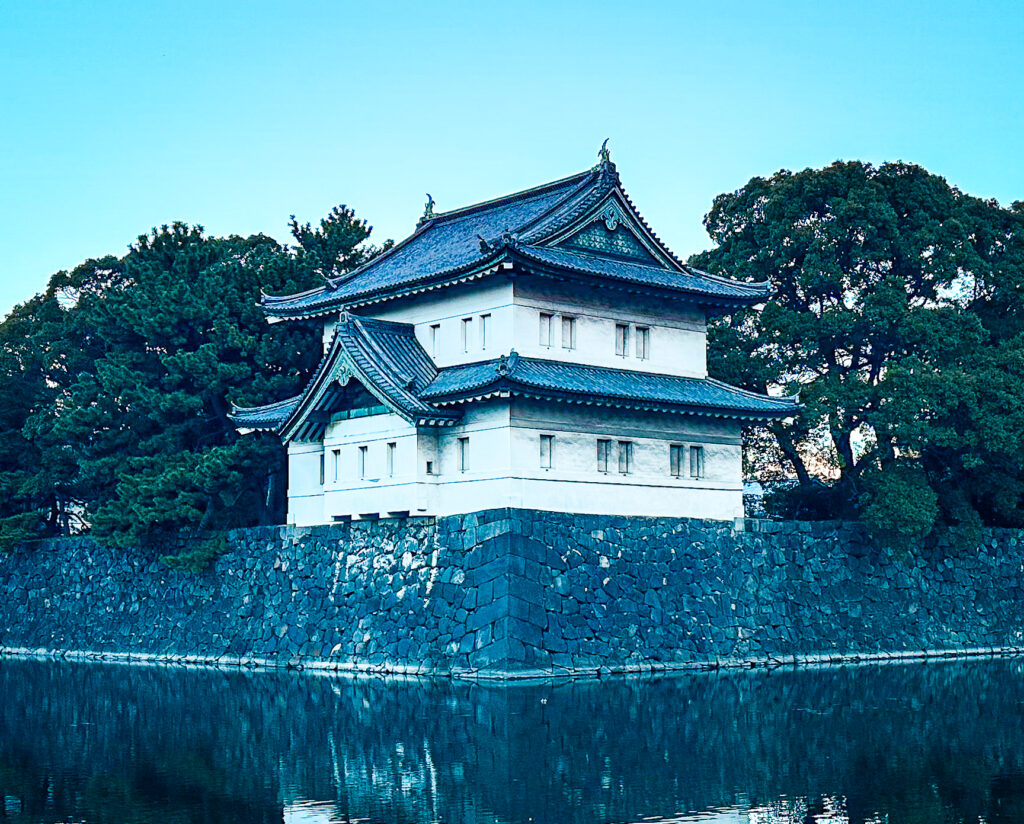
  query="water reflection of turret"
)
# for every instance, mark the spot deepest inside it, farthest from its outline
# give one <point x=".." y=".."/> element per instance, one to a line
<point x="917" y="743"/>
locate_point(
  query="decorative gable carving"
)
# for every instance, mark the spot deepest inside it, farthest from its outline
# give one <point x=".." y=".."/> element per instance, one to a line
<point x="610" y="234"/>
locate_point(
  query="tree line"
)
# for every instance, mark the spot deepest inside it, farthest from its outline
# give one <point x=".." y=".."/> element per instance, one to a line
<point x="117" y="381"/>
<point x="897" y="314"/>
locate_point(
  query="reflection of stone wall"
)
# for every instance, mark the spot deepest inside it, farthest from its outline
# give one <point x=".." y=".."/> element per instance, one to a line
<point x="511" y="591"/>
<point x="81" y="742"/>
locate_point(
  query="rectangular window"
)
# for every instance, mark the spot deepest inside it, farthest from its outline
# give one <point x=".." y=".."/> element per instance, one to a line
<point x="696" y="461"/>
<point x="604" y="448"/>
<point x="321" y="469"/>
<point x="435" y="339"/>
<point x="463" y="454"/>
<point x="643" y="342"/>
<point x="675" y="460"/>
<point x="625" y="457"/>
<point x="391" y="459"/>
<point x="335" y="463"/>
<point x="545" y="329"/>
<point x="430" y="467"/>
<point x="362" y="461"/>
<point x="485" y="322"/>
<point x="547" y="451"/>
<point x="568" y="332"/>
<point x="467" y="333"/>
<point x="621" y="340"/>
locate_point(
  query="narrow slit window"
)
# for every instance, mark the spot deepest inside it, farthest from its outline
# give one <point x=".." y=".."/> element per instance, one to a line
<point x="392" y="447"/>
<point x="604" y="448"/>
<point x="335" y="464"/>
<point x="568" y="332"/>
<point x="322" y="469"/>
<point x="435" y="339"/>
<point x="547" y="451"/>
<point x="485" y="323"/>
<point x="675" y="460"/>
<point x="643" y="342"/>
<point x="430" y="467"/>
<point x="463" y="454"/>
<point x="625" y="457"/>
<point x="545" y="329"/>
<point x="696" y="461"/>
<point x="621" y="340"/>
<point x="362" y="461"/>
<point x="467" y="333"/>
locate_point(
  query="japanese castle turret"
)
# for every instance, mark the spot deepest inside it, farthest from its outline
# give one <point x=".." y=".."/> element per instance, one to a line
<point x="544" y="350"/>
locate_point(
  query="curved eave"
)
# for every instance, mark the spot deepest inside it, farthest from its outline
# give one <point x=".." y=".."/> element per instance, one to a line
<point x="604" y="280"/>
<point x="450" y="277"/>
<point x="266" y="418"/>
<point x="504" y="388"/>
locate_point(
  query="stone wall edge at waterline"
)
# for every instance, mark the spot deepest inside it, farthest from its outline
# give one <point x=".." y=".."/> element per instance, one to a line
<point x="520" y="593"/>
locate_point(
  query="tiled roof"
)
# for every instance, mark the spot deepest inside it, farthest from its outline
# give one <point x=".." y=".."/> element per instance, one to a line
<point x="449" y="242"/>
<point x="602" y="385"/>
<point x="264" y="418"/>
<point x="690" y="280"/>
<point x="527" y="224"/>
<point x="385" y="357"/>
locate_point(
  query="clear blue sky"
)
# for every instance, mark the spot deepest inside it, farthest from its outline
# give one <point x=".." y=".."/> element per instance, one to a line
<point x="118" y="116"/>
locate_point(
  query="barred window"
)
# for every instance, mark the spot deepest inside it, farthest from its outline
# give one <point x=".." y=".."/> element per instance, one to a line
<point x="545" y="329"/>
<point x="604" y="448"/>
<point x="675" y="460"/>
<point x="547" y="451"/>
<point x="568" y="332"/>
<point x="622" y="340"/>
<point x="696" y="461"/>
<point x="643" y="342"/>
<point x="625" y="457"/>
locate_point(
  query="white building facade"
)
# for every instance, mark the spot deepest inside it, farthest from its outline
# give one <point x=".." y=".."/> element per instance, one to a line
<point x="543" y="350"/>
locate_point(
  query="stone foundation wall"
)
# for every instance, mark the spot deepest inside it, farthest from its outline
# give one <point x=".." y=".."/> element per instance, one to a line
<point x="518" y="592"/>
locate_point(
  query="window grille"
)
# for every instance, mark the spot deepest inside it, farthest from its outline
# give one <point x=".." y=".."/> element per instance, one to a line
<point x="625" y="457"/>
<point x="621" y="340"/>
<point x="545" y="329"/>
<point x="547" y="450"/>
<point x="696" y="461"/>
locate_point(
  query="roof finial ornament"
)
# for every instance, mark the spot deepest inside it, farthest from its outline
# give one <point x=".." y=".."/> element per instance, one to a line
<point x="428" y="209"/>
<point x="603" y="154"/>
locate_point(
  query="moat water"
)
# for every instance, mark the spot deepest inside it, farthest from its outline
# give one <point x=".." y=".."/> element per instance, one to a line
<point x="928" y="743"/>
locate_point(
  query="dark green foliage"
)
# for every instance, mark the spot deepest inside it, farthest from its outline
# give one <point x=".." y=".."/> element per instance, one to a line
<point x="897" y="315"/>
<point x="135" y="377"/>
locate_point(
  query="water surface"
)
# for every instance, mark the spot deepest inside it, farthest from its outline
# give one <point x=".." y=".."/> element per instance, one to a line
<point x="929" y="743"/>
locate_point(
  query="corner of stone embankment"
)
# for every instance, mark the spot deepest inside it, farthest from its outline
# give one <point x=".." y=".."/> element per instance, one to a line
<point x="508" y="594"/>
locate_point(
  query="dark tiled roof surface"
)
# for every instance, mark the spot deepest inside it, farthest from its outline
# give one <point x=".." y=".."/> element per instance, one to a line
<point x="388" y="357"/>
<point x="690" y="280"/>
<point x="264" y="418"/>
<point x="449" y="246"/>
<point x="604" y="385"/>
<point x="449" y="242"/>
<point x="385" y="356"/>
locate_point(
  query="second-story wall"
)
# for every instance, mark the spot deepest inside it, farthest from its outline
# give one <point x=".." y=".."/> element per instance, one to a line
<point x="542" y="318"/>
<point x="575" y="324"/>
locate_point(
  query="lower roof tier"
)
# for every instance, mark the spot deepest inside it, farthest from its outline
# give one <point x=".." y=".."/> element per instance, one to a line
<point x="440" y="401"/>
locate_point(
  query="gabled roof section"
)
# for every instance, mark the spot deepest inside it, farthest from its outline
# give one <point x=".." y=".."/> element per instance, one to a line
<point x="384" y="357"/>
<point x="602" y="386"/>
<point x="588" y="214"/>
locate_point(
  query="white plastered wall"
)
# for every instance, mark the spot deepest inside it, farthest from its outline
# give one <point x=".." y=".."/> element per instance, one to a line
<point x="504" y="467"/>
<point x="678" y="338"/>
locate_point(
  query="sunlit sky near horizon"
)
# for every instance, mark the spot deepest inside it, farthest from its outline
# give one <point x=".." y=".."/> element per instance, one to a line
<point x="116" y="117"/>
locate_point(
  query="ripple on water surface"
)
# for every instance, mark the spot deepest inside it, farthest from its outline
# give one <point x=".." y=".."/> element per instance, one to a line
<point x="926" y="744"/>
